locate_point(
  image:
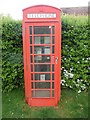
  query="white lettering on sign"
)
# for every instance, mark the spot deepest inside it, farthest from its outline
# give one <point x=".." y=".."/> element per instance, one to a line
<point x="41" y="15"/>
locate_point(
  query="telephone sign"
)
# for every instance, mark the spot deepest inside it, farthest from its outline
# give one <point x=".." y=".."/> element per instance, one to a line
<point x="39" y="15"/>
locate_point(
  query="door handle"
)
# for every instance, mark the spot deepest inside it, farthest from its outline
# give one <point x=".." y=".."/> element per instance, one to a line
<point x="56" y="60"/>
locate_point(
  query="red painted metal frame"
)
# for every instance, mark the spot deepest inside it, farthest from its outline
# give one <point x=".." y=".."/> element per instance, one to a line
<point x="46" y="101"/>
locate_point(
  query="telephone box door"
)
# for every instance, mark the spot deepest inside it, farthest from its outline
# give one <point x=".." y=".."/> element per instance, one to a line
<point x="43" y="61"/>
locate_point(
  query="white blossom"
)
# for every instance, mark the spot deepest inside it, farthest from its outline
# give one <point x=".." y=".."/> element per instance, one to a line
<point x="71" y="69"/>
<point x="88" y="58"/>
<point x="62" y="67"/>
<point x="77" y="85"/>
<point x="86" y="61"/>
<point x="78" y="62"/>
<point x="81" y="80"/>
<point x="89" y="68"/>
<point x="63" y="81"/>
<point x="71" y="75"/>
<point x="78" y="80"/>
<point x="67" y="74"/>
<point x="79" y="91"/>
<point x="70" y="86"/>
<point x="83" y="87"/>
<point x="62" y="84"/>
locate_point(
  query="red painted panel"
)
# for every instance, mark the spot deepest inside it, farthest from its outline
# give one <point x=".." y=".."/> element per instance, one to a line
<point x="43" y="102"/>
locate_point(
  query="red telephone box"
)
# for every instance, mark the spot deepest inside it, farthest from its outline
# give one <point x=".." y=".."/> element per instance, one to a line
<point x="42" y="55"/>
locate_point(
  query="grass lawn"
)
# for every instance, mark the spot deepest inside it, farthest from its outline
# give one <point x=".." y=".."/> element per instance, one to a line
<point x="71" y="105"/>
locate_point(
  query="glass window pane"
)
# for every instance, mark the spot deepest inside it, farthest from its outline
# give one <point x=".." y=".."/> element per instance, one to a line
<point x="41" y="93"/>
<point x="37" y="40"/>
<point x="31" y="49"/>
<point x="42" y="50"/>
<point x="42" y="77"/>
<point x="46" y="40"/>
<point x="53" y="29"/>
<point x="52" y="85"/>
<point x="53" y="39"/>
<point x="41" y="59"/>
<point x="52" y="49"/>
<point x="30" y="39"/>
<point x="41" y="85"/>
<point x="31" y="59"/>
<point x="41" y="30"/>
<point x="33" y="85"/>
<point x="31" y="68"/>
<point x="52" y="93"/>
<point x="42" y="68"/>
<point x="52" y="68"/>
<point x="41" y="40"/>
<point x="30" y="29"/>
<point x="52" y="76"/>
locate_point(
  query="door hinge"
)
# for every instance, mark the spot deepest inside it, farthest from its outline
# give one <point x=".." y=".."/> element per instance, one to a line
<point x="56" y="60"/>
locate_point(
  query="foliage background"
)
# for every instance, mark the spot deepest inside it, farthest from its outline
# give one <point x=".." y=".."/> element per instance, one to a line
<point x="75" y="54"/>
<point x="12" y="60"/>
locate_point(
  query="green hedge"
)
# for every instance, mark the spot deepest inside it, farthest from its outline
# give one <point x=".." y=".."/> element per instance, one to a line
<point x="12" y="60"/>
<point x="74" y="53"/>
<point x="75" y="56"/>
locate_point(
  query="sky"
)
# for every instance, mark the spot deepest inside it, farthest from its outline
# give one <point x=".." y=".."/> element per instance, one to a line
<point x="14" y="7"/>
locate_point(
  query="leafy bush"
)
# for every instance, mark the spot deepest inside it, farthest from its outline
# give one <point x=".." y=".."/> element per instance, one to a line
<point x="75" y="57"/>
<point x="74" y="53"/>
<point x="12" y="62"/>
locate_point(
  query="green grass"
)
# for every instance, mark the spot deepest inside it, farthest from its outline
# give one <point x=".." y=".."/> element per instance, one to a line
<point x="71" y="105"/>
